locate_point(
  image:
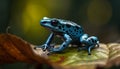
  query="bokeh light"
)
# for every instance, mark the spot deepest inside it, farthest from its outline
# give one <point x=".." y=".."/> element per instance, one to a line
<point x="99" y="12"/>
<point x="28" y="23"/>
<point x="31" y="17"/>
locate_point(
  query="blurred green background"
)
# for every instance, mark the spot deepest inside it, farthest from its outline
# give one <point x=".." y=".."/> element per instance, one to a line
<point x="97" y="17"/>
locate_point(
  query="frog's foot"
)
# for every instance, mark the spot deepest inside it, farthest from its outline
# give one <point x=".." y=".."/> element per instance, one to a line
<point x="89" y="49"/>
<point x="97" y="45"/>
<point x="50" y="48"/>
<point x="44" y="47"/>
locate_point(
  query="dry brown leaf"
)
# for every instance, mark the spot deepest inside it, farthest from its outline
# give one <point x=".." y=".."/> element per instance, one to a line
<point x="13" y="49"/>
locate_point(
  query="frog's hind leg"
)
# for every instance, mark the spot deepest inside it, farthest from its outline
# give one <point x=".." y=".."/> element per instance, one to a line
<point x="90" y="42"/>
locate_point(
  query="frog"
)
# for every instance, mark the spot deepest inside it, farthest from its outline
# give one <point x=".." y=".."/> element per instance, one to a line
<point x="70" y="32"/>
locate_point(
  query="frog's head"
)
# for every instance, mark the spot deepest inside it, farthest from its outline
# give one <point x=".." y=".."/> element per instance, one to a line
<point x="51" y="23"/>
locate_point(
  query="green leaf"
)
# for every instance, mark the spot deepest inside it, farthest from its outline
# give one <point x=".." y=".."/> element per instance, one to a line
<point x="71" y="57"/>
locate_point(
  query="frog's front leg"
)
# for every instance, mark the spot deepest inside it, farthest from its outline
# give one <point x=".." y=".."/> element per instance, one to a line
<point x="47" y="43"/>
<point x="64" y="44"/>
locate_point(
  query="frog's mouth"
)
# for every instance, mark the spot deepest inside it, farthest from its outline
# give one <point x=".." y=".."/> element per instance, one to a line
<point x="51" y="29"/>
<point x="47" y="28"/>
<point x="55" y="31"/>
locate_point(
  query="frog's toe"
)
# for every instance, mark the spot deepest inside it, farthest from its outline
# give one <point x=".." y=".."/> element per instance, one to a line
<point x="89" y="53"/>
<point x="37" y="47"/>
<point x="40" y="47"/>
<point x="98" y="45"/>
<point x="50" y="49"/>
<point x="44" y="47"/>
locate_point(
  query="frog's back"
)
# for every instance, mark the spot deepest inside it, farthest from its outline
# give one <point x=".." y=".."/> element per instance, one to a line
<point x="72" y="29"/>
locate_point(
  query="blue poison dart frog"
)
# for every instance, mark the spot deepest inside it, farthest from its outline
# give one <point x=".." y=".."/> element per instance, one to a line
<point x="71" y="32"/>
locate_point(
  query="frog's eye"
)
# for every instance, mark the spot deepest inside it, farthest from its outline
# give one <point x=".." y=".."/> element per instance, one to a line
<point x="54" y="22"/>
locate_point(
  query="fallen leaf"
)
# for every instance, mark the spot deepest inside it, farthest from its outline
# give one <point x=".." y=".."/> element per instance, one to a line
<point x="15" y="49"/>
